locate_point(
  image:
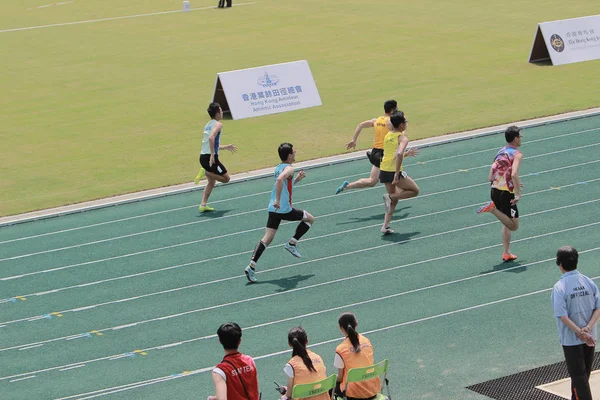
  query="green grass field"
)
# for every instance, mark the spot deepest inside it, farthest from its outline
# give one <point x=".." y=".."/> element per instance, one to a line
<point x="98" y="109"/>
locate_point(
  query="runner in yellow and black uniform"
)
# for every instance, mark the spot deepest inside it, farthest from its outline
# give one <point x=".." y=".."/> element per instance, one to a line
<point x="380" y="129"/>
<point x="397" y="183"/>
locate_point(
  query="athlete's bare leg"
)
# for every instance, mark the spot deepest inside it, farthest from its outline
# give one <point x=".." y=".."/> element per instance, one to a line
<point x="212" y="180"/>
<point x="371" y="181"/>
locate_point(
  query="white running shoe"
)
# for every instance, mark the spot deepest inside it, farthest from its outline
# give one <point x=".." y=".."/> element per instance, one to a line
<point x="249" y="271"/>
<point x="292" y="249"/>
<point x="387" y="230"/>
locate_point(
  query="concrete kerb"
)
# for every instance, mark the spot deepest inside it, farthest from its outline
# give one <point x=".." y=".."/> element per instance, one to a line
<point x="261" y="173"/>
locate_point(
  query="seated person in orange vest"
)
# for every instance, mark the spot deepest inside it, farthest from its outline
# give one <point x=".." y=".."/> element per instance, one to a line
<point x="354" y="352"/>
<point x="234" y="377"/>
<point x="305" y="366"/>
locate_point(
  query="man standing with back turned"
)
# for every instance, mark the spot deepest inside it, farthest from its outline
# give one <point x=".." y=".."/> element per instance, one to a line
<point x="576" y="304"/>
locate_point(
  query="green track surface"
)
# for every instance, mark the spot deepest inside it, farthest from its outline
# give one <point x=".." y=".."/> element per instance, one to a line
<point x="434" y="297"/>
<point x="103" y="108"/>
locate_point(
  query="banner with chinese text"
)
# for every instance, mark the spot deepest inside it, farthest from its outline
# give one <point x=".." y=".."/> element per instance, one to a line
<point x="266" y="90"/>
<point x="567" y="41"/>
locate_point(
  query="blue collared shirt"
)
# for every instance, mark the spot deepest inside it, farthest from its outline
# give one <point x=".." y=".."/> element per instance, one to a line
<point x="576" y="296"/>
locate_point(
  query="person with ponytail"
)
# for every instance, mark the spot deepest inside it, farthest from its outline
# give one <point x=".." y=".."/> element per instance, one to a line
<point x="354" y="352"/>
<point x="305" y="366"/>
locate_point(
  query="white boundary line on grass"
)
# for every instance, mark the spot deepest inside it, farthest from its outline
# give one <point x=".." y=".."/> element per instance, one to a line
<point x="89" y="21"/>
<point x="242" y="177"/>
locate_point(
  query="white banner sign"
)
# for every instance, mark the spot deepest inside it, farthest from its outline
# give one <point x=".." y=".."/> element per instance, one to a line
<point x="266" y="90"/>
<point x="567" y="41"/>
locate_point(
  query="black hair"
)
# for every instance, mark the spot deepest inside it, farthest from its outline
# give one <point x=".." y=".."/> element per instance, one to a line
<point x="511" y="133"/>
<point x="284" y="150"/>
<point x="397" y="118"/>
<point x="298" y="339"/>
<point x="230" y="335"/>
<point x="213" y="109"/>
<point x="390" y="106"/>
<point x="567" y="256"/>
<point x="348" y="323"/>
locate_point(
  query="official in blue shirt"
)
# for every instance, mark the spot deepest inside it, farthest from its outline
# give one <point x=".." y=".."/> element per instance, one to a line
<point x="576" y="304"/>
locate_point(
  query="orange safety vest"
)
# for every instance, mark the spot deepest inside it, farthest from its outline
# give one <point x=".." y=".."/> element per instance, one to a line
<point x="303" y="375"/>
<point x="352" y="359"/>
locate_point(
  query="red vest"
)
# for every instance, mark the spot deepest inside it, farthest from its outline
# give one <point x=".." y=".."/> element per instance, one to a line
<point x="242" y="370"/>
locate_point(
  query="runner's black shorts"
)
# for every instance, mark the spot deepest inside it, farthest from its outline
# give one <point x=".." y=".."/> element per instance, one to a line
<point x="217" y="167"/>
<point x="501" y="199"/>
<point x="388" y="176"/>
<point x="276" y="218"/>
<point x="375" y="156"/>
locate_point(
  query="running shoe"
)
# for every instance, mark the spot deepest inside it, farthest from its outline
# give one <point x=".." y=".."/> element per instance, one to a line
<point x="387" y="230"/>
<point x="506" y="257"/>
<point x="205" y="208"/>
<point x="292" y="249"/>
<point x="342" y="188"/>
<point x="486" y="208"/>
<point x="249" y="271"/>
<point x="199" y="177"/>
<point x="388" y="202"/>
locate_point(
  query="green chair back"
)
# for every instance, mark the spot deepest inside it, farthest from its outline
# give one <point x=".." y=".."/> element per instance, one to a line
<point x="303" y="391"/>
<point x="366" y="373"/>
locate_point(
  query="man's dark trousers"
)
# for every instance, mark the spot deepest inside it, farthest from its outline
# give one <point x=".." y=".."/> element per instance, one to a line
<point x="579" y="364"/>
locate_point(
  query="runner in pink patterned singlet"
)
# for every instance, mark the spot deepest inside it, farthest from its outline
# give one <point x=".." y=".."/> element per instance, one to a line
<point x="506" y="188"/>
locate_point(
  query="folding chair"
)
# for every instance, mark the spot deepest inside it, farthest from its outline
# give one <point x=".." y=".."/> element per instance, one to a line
<point x="367" y="373"/>
<point x="305" y="390"/>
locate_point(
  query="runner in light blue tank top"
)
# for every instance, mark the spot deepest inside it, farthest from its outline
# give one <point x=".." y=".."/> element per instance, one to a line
<point x="280" y="208"/>
<point x="285" y="203"/>
<point x="205" y="140"/>
<point x="211" y="166"/>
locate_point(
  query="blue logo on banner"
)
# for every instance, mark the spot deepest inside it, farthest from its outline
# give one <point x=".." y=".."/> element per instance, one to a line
<point x="557" y="43"/>
<point x="268" y="80"/>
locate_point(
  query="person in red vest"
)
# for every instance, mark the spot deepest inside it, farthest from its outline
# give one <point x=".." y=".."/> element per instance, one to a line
<point x="305" y="366"/>
<point x="235" y="377"/>
<point x="354" y="352"/>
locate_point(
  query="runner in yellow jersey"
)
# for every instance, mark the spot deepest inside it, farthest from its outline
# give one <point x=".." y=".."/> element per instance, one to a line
<point x="380" y="128"/>
<point x="397" y="183"/>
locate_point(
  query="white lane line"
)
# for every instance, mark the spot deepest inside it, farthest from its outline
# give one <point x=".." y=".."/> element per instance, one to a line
<point x="22" y="379"/>
<point x="316" y="285"/>
<point x="134" y="385"/>
<point x="409" y="165"/>
<point x="193" y="286"/>
<point x="89" y="21"/>
<point x="70" y="368"/>
<point x="310" y="261"/>
<point x="262" y="227"/>
<point x="95" y="242"/>
<point x="118" y="356"/>
<point x="31" y="347"/>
